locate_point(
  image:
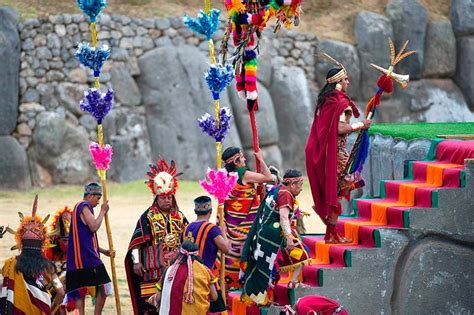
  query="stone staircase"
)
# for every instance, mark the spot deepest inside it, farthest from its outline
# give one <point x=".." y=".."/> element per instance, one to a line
<point x="412" y="247"/>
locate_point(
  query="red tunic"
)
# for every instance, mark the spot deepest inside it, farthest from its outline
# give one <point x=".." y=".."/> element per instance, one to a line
<point x="321" y="152"/>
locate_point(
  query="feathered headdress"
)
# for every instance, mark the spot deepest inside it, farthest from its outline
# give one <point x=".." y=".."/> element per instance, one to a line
<point x="55" y="227"/>
<point x="340" y="74"/>
<point x="163" y="179"/>
<point x="31" y="228"/>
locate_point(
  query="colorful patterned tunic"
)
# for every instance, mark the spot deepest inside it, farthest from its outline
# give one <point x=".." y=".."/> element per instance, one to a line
<point x="240" y="210"/>
<point x="174" y="290"/>
<point x="263" y="244"/>
<point x="20" y="295"/>
<point x="345" y="183"/>
<point x="157" y="235"/>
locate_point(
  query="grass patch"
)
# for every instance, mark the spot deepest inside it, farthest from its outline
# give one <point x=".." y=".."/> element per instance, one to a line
<point x="410" y="131"/>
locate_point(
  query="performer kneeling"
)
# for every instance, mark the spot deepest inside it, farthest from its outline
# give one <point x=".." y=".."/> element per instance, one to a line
<point x="271" y="232"/>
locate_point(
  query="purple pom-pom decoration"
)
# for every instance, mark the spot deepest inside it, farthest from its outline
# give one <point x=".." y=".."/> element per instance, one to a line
<point x="207" y="123"/>
<point x="97" y="104"/>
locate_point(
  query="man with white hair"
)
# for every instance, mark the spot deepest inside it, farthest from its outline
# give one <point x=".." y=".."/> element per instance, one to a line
<point x="156" y="238"/>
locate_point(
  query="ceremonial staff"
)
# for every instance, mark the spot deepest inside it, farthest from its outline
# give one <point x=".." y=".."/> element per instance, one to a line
<point x="98" y="105"/>
<point x="360" y="150"/>
<point x="218" y="77"/>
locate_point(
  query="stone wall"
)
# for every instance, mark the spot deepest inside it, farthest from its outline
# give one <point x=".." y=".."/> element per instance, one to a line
<point x="156" y="71"/>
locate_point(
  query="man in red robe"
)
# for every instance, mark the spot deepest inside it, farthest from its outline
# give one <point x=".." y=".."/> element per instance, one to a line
<point x="326" y="154"/>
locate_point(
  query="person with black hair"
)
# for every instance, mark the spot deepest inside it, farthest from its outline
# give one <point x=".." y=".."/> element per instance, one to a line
<point x="187" y="286"/>
<point x="326" y="152"/>
<point x="241" y="207"/>
<point x="272" y="235"/>
<point x="27" y="276"/>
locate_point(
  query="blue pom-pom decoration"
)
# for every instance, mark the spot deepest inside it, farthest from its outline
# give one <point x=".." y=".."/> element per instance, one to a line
<point x="92" y="8"/>
<point x="218" y="78"/>
<point x="207" y="123"/>
<point x="97" y="104"/>
<point x="92" y="58"/>
<point x="205" y="25"/>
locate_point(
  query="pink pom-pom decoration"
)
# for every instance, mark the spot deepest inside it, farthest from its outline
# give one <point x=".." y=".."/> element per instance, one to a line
<point x="102" y="155"/>
<point x="219" y="183"/>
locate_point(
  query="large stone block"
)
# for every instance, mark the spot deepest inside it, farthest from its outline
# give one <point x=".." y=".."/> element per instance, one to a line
<point x="409" y="20"/>
<point x="265" y="118"/>
<point x="381" y="161"/>
<point x="70" y="95"/>
<point x="291" y="97"/>
<point x="371" y="31"/>
<point x="345" y="54"/>
<point x="61" y="149"/>
<point x="132" y="152"/>
<point x="435" y="100"/>
<point x="370" y="278"/>
<point x="429" y="282"/>
<point x="462" y="17"/>
<point x="125" y="87"/>
<point x="464" y="71"/>
<point x="440" y="50"/>
<point x="175" y="96"/>
<point x="9" y="70"/>
<point x="271" y="154"/>
<point x="14" y="168"/>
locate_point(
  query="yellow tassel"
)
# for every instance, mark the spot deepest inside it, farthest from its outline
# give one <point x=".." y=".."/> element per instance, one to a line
<point x="97" y="83"/>
<point x="94" y="35"/>
<point x="100" y="135"/>
<point x="101" y="174"/>
<point x="219" y="154"/>
<point x="212" y="55"/>
<point x="208" y="7"/>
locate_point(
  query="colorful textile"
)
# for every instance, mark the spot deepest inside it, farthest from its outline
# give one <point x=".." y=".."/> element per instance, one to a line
<point x="153" y="231"/>
<point x="240" y="210"/>
<point x="83" y="249"/>
<point x="23" y="296"/>
<point x="84" y="268"/>
<point x="174" y="290"/>
<point x="315" y="304"/>
<point x="202" y="233"/>
<point x="263" y="243"/>
<point x="321" y="152"/>
<point x="346" y="182"/>
<point x="93" y="291"/>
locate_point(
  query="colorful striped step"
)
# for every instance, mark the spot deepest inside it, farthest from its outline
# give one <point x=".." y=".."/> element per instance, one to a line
<point x="390" y="210"/>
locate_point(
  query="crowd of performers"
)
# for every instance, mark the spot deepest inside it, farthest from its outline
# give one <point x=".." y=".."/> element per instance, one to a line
<point x="171" y="262"/>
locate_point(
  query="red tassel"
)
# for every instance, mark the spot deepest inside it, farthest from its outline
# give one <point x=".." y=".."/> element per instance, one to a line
<point x="385" y="83"/>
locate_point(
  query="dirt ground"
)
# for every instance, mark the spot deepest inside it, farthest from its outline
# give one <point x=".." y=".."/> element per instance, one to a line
<point x="127" y="202"/>
<point x="328" y="19"/>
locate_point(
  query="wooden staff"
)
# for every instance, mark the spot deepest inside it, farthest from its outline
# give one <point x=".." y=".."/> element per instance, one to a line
<point x="103" y="177"/>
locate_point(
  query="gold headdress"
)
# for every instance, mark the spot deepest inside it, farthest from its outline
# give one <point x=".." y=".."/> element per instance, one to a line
<point x="340" y="74"/>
